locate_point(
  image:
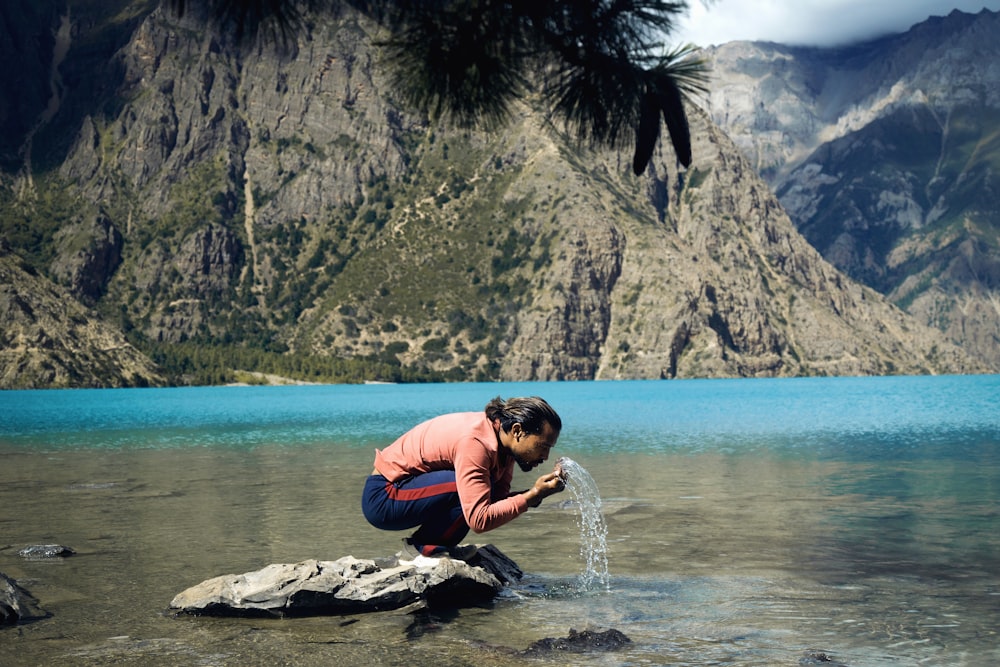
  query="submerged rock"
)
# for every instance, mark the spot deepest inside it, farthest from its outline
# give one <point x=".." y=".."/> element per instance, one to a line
<point x="16" y="604"/>
<point x="39" y="551"/>
<point x="351" y="585"/>
<point x="580" y="642"/>
<point x="820" y="659"/>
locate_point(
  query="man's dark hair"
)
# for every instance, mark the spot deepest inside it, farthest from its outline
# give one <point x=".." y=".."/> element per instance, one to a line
<point x="531" y="412"/>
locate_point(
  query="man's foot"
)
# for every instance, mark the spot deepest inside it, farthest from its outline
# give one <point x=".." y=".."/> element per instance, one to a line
<point x="459" y="552"/>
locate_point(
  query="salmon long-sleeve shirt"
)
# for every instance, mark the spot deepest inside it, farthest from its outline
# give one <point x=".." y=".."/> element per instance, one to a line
<point x="466" y="443"/>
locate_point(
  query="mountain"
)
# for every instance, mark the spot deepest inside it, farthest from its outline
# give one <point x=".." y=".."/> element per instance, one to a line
<point x="886" y="155"/>
<point x="50" y="340"/>
<point x="269" y="206"/>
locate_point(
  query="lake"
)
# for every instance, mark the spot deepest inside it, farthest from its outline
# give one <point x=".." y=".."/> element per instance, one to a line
<point x="750" y="522"/>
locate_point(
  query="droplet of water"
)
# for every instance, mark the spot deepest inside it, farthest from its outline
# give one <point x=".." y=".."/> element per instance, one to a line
<point x="593" y="529"/>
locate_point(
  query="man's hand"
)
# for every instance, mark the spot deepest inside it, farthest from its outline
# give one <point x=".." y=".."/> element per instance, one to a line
<point x="545" y="486"/>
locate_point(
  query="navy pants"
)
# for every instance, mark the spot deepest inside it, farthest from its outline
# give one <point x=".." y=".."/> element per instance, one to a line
<point x="429" y="500"/>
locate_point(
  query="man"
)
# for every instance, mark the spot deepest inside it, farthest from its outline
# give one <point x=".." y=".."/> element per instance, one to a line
<point x="453" y="472"/>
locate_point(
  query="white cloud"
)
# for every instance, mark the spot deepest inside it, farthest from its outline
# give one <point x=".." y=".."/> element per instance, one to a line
<point x="811" y="22"/>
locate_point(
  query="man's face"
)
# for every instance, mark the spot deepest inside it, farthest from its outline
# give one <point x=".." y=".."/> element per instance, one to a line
<point x="532" y="450"/>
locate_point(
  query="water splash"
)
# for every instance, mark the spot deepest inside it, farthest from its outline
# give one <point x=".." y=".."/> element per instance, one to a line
<point x="593" y="529"/>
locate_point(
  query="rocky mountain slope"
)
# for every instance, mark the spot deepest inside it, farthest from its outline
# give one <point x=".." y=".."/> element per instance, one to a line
<point x="231" y="197"/>
<point x="886" y="155"/>
<point x="49" y="340"/>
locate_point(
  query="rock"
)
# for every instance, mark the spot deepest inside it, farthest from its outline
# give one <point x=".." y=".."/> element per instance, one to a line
<point x="16" y="604"/>
<point x="40" y="551"/>
<point x="822" y="659"/>
<point x="351" y="585"/>
<point x="87" y="254"/>
<point x="580" y="642"/>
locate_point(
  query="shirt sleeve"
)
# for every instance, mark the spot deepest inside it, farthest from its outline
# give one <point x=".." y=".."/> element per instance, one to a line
<point x="475" y="489"/>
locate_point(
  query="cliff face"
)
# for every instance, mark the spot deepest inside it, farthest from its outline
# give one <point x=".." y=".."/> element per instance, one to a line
<point x="49" y="340"/>
<point x="885" y="156"/>
<point x="239" y="195"/>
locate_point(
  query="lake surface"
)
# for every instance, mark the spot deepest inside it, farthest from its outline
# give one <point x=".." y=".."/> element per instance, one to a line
<point x="750" y="522"/>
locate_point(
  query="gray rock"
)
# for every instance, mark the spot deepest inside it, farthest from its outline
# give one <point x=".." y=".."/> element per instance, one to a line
<point x="39" y="551"/>
<point x="16" y="604"/>
<point x="87" y="254"/>
<point x="587" y="641"/>
<point x="819" y="659"/>
<point x="351" y="585"/>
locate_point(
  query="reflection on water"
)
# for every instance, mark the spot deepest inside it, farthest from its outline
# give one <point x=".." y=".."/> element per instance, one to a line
<point x="885" y="554"/>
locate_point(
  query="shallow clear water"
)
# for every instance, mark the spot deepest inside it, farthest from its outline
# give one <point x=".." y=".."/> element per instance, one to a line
<point x="749" y="522"/>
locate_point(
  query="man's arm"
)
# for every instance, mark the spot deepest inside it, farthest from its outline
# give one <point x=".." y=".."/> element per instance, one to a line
<point x="475" y="490"/>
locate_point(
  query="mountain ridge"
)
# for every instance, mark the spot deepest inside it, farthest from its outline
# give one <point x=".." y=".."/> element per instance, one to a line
<point x="230" y="200"/>
<point x="886" y="156"/>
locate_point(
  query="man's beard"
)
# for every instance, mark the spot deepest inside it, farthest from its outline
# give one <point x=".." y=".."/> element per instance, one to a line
<point x="524" y="465"/>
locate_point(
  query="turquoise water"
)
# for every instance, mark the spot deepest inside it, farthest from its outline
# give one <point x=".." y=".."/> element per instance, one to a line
<point x="750" y="522"/>
<point x="613" y="417"/>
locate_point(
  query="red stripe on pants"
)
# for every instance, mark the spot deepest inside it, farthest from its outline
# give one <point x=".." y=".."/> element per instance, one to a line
<point x="395" y="493"/>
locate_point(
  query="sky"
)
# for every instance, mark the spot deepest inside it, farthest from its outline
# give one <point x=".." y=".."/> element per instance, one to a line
<point x="810" y="22"/>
